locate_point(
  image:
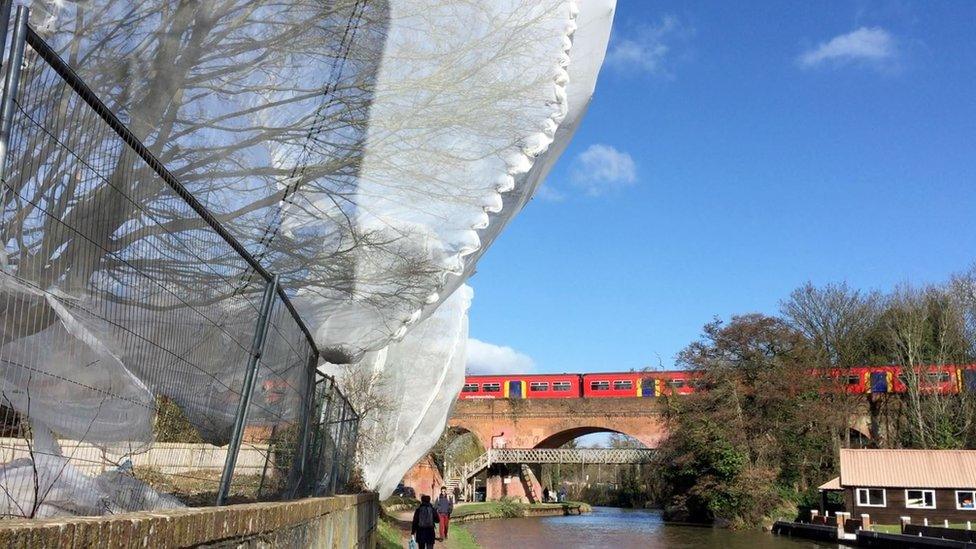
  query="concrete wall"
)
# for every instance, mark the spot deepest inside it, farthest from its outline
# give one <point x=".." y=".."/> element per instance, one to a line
<point x="336" y="522"/>
<point x="165" y="457"/>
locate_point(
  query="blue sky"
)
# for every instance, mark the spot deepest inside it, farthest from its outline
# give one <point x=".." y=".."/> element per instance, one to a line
<point x="733" y="152"/>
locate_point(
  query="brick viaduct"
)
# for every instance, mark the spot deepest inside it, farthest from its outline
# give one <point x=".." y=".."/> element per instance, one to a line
<point x="550" y="423"/>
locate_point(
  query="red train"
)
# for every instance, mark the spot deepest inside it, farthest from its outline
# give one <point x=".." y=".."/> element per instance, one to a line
<point x="864" y="379"/>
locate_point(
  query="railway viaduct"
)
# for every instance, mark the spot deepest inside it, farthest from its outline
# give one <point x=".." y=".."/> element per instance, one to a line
<point x="550" y="423"/>
<point x="543" y="424"/>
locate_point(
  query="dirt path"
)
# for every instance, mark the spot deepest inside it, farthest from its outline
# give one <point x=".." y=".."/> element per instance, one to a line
<point x="406" y="517"/>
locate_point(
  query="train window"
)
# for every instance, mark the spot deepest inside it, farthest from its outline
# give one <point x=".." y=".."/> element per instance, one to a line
<point x="600" y="385"/>
<point x="937" y="377"/>
<point x="676" y="383"/>
<point x="562" y="386"/>
<point x="539" y="386"/>
<point x="623" y="385"/>
<point x="697" y="383"/>
<point x="491" y="387"/>
<point x="853" y="380"/>
<point x="903" y="379"/>
<point x="470" y="388"/>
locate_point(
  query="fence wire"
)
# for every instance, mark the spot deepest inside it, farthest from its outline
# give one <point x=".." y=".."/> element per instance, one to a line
<point x="127" y="324"/>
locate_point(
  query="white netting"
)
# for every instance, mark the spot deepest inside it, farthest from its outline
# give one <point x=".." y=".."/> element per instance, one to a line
<point x="363" y="149"/>
<point x="417" y="380"/>
<point x="367" y="151"/>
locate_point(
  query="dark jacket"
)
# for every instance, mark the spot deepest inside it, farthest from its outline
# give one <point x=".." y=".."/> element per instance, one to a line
<point x="444" y="505"/>
<point x="424" y="535"/>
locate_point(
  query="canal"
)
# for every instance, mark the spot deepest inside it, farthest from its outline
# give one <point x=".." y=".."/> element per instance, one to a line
<point x="612" y="527"/>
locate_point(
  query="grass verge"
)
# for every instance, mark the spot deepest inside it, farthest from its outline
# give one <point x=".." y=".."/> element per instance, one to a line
<point x="511" y="509"/>
<point x="461" y="539"/>
<point x="389" y="536"/>
<point x="896" y="528"/>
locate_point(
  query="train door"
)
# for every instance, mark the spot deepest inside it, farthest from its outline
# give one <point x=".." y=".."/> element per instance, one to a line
<point x="879" y="382"/>
<point x="515" y="389"/>
<point x="647" y="387"/>
<point x="969" y="380"/>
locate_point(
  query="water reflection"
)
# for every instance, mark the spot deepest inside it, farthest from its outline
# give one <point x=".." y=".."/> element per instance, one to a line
<point x="611" y="527"/>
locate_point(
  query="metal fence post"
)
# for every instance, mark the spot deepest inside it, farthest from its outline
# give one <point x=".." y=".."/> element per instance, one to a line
<point x="322" y="485"/>
<point x="240" y="421"/>
<point x="334" y="481"/>
<point x="297" y="478"/>
<point x="5" y="6"/>
<point x="11" y="80"/>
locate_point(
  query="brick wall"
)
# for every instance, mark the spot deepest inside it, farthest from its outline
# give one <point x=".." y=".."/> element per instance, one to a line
<point x="549" y="423"/>
<point x="339" y="521"/>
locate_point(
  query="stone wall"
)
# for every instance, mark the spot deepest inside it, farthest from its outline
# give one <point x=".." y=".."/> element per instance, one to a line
<point x="334" y="522"/>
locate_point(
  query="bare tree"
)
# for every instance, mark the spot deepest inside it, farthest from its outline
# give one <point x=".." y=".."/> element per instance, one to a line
<point x="838" y="322"/>
<point x="368" y="393"/>
<point x="926" y="332"/>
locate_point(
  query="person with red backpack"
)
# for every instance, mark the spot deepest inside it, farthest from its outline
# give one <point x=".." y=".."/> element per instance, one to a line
<point x="424" y="519"/>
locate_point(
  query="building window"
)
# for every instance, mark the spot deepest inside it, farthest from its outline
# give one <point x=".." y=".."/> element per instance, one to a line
<point x="491" y="387"/>
<point x="600" y="385"/>
<point x="870" y="497"/>
<point x="470" y="388"/>
<point x="920" y="499"/>
<point x="539" y="386"/>
<point x="561" y="386"/>
<point x="966" y="500"/>
<point x="622" y="385"/>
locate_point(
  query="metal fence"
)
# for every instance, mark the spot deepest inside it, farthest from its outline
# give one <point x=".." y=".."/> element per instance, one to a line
<point x="147" y="360"/>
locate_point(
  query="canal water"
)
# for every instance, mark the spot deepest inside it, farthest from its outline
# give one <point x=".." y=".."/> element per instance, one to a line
<point x="621" y="528"/>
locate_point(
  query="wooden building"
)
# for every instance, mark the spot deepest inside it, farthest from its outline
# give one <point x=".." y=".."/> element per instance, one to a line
<point x="921" y="484"/>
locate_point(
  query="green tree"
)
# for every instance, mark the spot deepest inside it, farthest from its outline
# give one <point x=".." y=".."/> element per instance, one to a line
<point x="742" y="450"/>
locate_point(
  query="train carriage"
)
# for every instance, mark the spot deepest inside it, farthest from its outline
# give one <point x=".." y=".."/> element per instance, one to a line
<point x="639" y="384"/>
<point x="522" y="386"/>
<point x="944" y="379"/>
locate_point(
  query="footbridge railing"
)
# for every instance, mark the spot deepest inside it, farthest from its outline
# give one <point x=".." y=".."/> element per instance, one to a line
<point x="603" y="456"/>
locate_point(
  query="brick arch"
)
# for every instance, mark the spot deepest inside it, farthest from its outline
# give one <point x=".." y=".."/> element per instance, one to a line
<point x="556" y="440"/>
<point x="530" y="423"/>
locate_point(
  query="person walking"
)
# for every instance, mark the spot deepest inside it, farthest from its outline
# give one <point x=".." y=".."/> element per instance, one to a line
<point x="424" y="519"/>
<point x="444" y="506"/>
<point x="545" y="495"/>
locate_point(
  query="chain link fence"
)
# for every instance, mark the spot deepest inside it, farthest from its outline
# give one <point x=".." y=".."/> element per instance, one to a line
<point x="147" y="360"/>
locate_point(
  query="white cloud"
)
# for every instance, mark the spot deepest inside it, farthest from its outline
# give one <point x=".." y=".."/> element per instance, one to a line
<point x="548" y="193"/>
<point x="487" y="358"/>
<point x="650" y="48"/>
<point x="602" y="168"/>
<point x="870" y="45"/>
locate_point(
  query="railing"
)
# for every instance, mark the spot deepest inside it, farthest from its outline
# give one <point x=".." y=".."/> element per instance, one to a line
<point x="605" y="456"/>
<point x="130" y="317"/>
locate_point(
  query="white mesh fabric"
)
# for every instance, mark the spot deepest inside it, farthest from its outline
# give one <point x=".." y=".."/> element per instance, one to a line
<point x="420" y="377"/>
